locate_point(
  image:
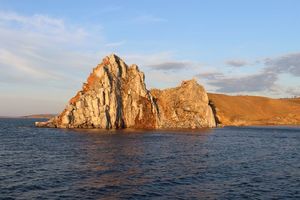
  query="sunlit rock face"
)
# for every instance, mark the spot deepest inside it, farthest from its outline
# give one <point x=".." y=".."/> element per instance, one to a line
<point x="115" y="96"/>
<point x="185" y="106"/>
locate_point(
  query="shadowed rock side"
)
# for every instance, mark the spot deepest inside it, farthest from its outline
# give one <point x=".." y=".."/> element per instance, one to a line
<point x="115" y="96"/>
<point x="255" y="110"/>
<point x="185" y="106"/>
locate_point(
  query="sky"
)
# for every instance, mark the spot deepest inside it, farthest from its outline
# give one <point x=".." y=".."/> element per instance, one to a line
<point x="49" y="47"/>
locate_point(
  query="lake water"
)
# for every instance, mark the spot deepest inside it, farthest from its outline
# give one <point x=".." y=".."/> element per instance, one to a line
<point x="222" y="163"/>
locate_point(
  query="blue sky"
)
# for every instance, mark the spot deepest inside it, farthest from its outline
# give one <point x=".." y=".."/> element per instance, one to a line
<point x="48" y="48"/>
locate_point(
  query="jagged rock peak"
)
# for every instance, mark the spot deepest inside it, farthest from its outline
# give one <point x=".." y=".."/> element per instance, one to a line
<point x="115" y="96"/>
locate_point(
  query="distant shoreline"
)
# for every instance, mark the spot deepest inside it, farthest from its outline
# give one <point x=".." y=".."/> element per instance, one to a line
<point x="35" y="116"/>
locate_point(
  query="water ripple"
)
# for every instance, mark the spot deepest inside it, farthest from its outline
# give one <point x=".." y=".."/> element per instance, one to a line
<point x="227" y="163"/>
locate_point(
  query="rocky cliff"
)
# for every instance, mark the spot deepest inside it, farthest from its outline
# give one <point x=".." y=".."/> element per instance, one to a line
<point x="185" y="106"/>
<point x="115" y="96"/>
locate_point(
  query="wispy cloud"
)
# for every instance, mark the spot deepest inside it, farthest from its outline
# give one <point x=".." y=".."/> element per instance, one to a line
<point x="289" y="63"/>
<point x="210" y="75"/>
<point x="40" y="53"/>
<point x="252" y="83"/>
<point x="293" y="91"/>
<point x="33" y="21"/>
<point x="11" y="61"/>
<point x="236" y="63"/>
<point x="266" y="80"/>
<point x="170" y="66"/>
<point x="41" y="25"/>
<point x="40" y="47"/>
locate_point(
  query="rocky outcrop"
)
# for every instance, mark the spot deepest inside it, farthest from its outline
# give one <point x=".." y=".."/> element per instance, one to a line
<point x="115" y="96"/>
<point x="186" y="106"/>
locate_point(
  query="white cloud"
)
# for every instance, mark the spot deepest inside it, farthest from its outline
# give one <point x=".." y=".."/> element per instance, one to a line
<point x="41" y="47"/>
<point x="43" y="53"/>
<point x="9" y="60"/>
<point x="40" y="26"/>
<point x="35" y="20"/>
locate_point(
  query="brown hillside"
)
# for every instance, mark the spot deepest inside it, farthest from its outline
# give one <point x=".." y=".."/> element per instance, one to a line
<point x="255" y="110"/>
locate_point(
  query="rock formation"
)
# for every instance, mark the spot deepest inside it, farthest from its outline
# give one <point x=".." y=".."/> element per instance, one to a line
<point x="115" y="96"/>
<point x="185" y="106"/>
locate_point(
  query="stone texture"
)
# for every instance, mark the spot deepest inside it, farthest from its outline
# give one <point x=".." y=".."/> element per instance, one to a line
<point x="115" y="96"/>
<point x="186" y="106"/>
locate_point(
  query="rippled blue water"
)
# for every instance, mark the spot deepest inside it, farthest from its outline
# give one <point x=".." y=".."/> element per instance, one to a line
<point x="225" y="163"/>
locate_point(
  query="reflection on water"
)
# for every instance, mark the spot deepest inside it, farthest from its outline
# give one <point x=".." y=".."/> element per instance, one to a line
<point x="228" y="163"/>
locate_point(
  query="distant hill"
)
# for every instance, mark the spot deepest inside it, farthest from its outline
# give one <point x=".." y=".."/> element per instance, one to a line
<point x="46" y="116"/>
<point x="255" y="110"/>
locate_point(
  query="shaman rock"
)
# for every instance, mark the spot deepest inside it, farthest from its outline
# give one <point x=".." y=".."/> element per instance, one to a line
<point x="115" y="96"/>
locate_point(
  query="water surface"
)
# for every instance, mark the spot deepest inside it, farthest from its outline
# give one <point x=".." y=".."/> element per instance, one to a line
<point x="225" y="163"/>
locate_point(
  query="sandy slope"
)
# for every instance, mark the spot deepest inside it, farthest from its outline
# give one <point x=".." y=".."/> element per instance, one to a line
<point x="255" y="110"/>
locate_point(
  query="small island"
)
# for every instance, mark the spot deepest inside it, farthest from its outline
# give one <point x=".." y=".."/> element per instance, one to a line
<point x="115" y="96"/>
